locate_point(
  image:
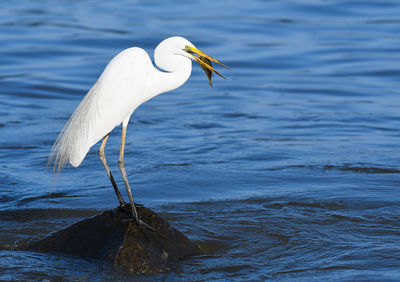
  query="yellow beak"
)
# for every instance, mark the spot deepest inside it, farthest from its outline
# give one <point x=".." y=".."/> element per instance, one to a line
<point x="205" y="61"/>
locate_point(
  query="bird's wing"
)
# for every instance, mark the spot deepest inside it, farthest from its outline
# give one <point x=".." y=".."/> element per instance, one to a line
<point x="120" y="89"/>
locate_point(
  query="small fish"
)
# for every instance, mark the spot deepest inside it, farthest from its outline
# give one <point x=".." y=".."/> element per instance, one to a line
<point x="205" y="62"/>
<point x="208" y="72"/>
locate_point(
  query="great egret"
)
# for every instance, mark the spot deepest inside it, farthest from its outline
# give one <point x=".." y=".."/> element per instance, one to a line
<point x="129" y="80"/>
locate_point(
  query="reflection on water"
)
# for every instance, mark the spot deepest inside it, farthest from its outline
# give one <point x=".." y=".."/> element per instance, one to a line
<point x="287" y="170"/>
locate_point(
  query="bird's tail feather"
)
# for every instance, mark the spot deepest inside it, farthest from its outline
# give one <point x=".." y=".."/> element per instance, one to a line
<point x="77" y="136"/>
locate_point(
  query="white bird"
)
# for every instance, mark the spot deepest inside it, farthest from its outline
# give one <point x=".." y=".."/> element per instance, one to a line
<point x="129" y="80"/>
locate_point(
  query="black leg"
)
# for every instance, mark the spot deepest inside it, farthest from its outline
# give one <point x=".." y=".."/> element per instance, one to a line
<point x="103" y="160"/>
<point x="121" y="164"/>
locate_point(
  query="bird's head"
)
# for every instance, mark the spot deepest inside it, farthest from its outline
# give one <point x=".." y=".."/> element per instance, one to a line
<point x="178" y="45"/>
<point x="204" y="61"/>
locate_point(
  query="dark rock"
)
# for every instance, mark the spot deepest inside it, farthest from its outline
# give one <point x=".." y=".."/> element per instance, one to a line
<point x="129" y="248"/>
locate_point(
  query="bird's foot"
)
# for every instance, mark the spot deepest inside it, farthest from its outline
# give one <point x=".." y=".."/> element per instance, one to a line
<point x="135" y="219"/>
<point x="140" y="223"/>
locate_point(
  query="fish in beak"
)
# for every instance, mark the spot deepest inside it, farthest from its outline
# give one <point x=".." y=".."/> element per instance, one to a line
<point x="205" y="62"/>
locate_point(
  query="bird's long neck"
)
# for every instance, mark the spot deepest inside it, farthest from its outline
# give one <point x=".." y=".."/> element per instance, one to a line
<point x="176" y="75"/>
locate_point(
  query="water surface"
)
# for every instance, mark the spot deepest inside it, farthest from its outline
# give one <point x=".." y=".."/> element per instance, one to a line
<point x="288" y="170"/>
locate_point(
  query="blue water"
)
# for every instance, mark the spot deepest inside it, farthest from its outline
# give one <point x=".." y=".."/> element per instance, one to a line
<point x="288" y="170"/>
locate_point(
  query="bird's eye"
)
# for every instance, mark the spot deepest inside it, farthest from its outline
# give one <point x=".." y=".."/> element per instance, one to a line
<point x="188" y="49"/>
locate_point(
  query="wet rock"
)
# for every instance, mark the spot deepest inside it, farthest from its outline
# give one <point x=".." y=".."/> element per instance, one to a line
<point x="130" y="249"/>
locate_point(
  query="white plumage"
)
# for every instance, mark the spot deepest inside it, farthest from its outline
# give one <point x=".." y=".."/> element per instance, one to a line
<point x="129" y="80"/>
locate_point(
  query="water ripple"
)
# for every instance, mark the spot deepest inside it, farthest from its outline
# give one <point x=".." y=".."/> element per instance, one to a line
<point x="287" y="170"/>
